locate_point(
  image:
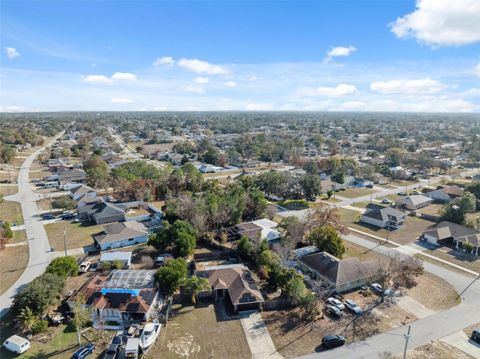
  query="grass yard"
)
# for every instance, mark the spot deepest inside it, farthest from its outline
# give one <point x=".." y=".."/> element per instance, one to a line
<point x="391" y="197"/>
<point x="435" y="350"/>
<point x="39" y="173"/>
<point x="18" y="236"/>
<point x="432" y="209"/>
<point x="409" y="232"/>
<point x="58" y="342"/>
<point x="12" y="175"/>
<point x="11" y="212"/>
<point x="361" y="204"/>
<point x="469" y="261"/>
<point x="78" y="234"/>
<point x="356" y="192"/>
<point x="363" y="254"/>
<point x="196" y="333"/>
<point x="434" y="293"/>
<point x="13" y="261"/>
<point x="8" y="190"/>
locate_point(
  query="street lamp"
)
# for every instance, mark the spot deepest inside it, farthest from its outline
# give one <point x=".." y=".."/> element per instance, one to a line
<point x="407" y="337"/>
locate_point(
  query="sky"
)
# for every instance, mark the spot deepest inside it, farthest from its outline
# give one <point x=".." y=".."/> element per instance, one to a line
<point x="391" y="55"/>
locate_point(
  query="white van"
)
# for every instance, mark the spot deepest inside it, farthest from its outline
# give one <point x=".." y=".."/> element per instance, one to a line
<point x="131" y="349"/>
<point x="16" y="344"/>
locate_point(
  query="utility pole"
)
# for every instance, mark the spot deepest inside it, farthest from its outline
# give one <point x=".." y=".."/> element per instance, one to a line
<point x="407" y="337"/>
<point x="65" y="238"/>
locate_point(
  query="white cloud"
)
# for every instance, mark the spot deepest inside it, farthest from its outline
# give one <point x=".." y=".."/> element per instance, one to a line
<point x="473" y="92"/>
<point x="252" y="78"/>
<point x="339" y="90"/>
<point x="403" y="86"/>
<point x="339" y="51"/>
<point x="476" y="70"/>
<point x="194" y="89"/>
<point x="11" y="52"/>
<point x="11" y="108"/>
<point x="201" y="80"/>
<point x="121" y="101"/>
<point x="441" y="22"/>
<point x="164" y="61"/>
<point x="105" y="80"/>
<point x="201" y="67"/>
<point x="124" y="76"/>
<point x="257" y="106"/>
<point x="230" y="84"/>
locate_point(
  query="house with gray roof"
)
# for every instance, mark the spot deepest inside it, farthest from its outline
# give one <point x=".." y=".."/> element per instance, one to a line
<point x="121" y="234"/>
<point x="383" y="217"/>
<point x="445" y="232"/>
<point x="343" y="274"/>
<point x="101" y="212"/>
<point x="413" y="202"/>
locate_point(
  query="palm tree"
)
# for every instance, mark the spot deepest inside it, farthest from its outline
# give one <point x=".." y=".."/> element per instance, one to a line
<point x="81" y="317"/>
<point x="27" y="320"/>
<point x="195" y="285"/>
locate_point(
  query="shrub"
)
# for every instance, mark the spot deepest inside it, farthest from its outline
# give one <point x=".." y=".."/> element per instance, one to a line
<point x="64" y="266"/>
<point x="40" y="326"/>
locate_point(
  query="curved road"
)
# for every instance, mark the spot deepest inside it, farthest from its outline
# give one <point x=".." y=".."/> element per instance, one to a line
<point x="38" y="245"/>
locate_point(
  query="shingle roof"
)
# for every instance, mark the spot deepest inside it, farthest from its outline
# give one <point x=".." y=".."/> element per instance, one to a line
<point x="464" y="234"/>
<point x="414" y="199"/>
<point x="120" y="231"/>
<point x="339" y="271"/>
<point x="382" y="213"/>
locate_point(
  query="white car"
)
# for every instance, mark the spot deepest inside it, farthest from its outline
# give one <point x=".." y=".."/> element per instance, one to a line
<point x="386" y="201"/>
<point x="84" y="266"/>
<point x="335" y="302"/>
<point x="377" y="288"/>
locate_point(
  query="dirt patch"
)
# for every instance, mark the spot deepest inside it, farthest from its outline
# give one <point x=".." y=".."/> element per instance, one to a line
<point x="13" y="261"/>
<point x="436" y="350"/>
<point x="434" y="293"/>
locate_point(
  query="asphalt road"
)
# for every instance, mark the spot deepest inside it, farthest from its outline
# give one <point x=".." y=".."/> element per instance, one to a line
<point x="38" y="245"/>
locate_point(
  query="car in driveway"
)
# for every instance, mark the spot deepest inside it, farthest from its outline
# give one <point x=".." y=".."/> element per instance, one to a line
<point x="84" y="266"/>
<point x="333" y="311"/>
<point x="377" y="288"/>
<point x="386" y="201"/>
<point x="48" y="217"/>
<point x="84" y="351"/>
<point x="353" y="307"/>
<point x="476" y="335"/>
<point x="335" y="302"/>
<point x="112" y="351"/>
<point x="332" y="341"/>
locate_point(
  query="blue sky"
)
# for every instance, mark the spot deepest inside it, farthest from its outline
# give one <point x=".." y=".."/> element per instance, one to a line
<point x="241" y="55"/>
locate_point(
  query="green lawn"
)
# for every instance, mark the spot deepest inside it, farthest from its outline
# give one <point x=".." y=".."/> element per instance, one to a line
<point x="356" y="192"/>
<point x="11" y="212"/>
<point x="78" y="234"/>
<point x="391" y="197"/>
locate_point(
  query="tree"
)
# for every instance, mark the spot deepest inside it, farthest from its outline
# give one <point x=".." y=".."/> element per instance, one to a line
<point x="81" y="316"/>
<point x="328" y="240"/>
<point x="63" y="266"/>
<point x="338" y="177"/>
<point x="170" y="276"/>
<point x="97" y="172"/>
<point x="394" y="157"/>
<point x="195" y="285"/>
<point x="311" y="186"/>
<point x="39" y="294"/>
<point x="324" y="215"/>
<point x="255" y="205"/>
<point x="245" y="248"/>
<point x="180" y="237"/>
<point x="294" y="230"/>
<point x="456" y="210"/>
<point x="64" y="202"/>
<point x="27" y="320"/>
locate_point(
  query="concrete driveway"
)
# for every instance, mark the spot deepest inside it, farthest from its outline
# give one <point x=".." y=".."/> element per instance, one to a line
<point x="258" y="337"/>
<point x="462" y="342"/>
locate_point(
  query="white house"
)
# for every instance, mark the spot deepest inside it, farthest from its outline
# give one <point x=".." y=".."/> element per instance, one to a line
<point x="413" y="202"/>
<point x="383" y="217"/>
<point x="121" y="234"/>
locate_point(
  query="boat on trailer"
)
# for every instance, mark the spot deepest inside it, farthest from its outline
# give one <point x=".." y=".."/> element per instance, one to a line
<point x="149" y="335"/>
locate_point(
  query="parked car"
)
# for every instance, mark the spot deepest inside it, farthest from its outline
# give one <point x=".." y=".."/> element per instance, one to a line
<point x="335" y="302"/>
<point x="112" y="351"/>
<point x="402" y="193"/>
<point x="67" y="216"/>
<point x="333" y="311"/>
<point x="84" y="351"/>
<point x="16" y="344"/>
<point x="118" y="338"/>
<point x="353" y="307"/>
<point x="476" y="335"/>
<point x="48" y="216"/>
<point x="377" y="288"/>
<point x="162" y="259"/>
<point x="386" y="201"/>
<point x="84" y="266"/>
<point x="332" y="341"/>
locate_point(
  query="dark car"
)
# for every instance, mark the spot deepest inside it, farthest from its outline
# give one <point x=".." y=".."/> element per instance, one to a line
<point x="117" y="339"/>
<point x="67" y="216"/>
<point x="332" y="341"/>
<point x="84" y="351"/>
<point x="48" y="216"/>
<point x="369" y="185"/>
<point x="476" y="335"/>
<point x="112" y="351"/>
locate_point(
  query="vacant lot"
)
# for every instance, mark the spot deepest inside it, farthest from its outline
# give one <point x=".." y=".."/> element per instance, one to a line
<point x="11" y="212"/>
<point x="434" y="293"/>
<point x="196" y="333"/>
<point x="435" y="350"/>
<point x="409" y="232"/>
<point x="13" y="261"/>
<point x="78" y="234"/>
<point x="7" y="190"/>
<point x="356" y="192"/>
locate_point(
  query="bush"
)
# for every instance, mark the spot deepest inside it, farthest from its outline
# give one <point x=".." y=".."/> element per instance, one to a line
<point x="64" y="267"/>
<point x="171" y="275"/>
<point x="64" y="203"/>
<point x="40" y="326"/>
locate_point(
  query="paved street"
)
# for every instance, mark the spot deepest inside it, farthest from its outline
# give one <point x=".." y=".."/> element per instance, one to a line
<point x="38" y="245"/>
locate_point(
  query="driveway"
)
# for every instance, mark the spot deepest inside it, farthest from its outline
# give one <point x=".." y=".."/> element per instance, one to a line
<point x="462" y="342"/>
<point x="38" y="245"/>
<point x="258" y="337"/>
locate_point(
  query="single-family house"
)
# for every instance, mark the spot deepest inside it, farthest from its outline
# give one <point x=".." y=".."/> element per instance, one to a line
<point x="101" y="212"/>
<point x="343" y="274"/>
<point x="80" y="190"/>
<point x="75" y="175"/>
<point x="259" y="230"/>
<point x="124" y="257"/>
<point x="119" y="299"/>
<point x="121" y="234"/>
<point x="413" y="202"/>
<point x="383" y="217"/>
<point x="445" y="194"/>
<point x="235" y="283"/>
<point x="448" y="231"/>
